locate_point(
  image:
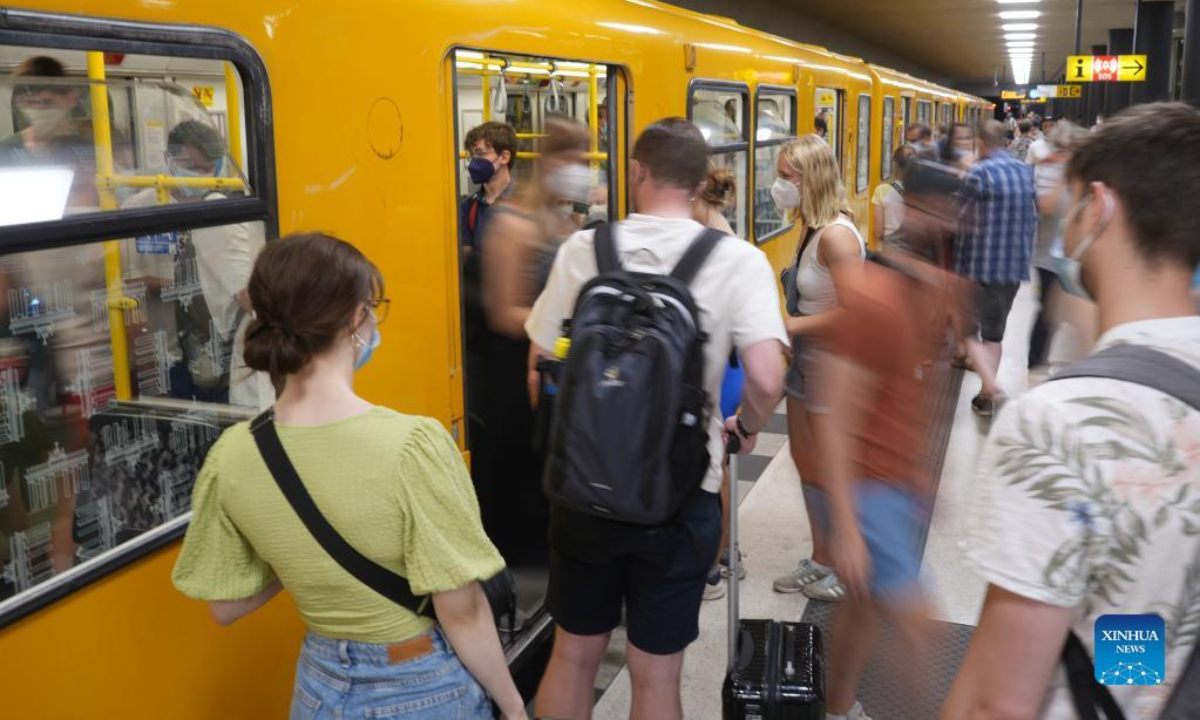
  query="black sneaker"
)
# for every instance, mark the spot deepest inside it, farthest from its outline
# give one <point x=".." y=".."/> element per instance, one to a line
<point x="983" y="406"/>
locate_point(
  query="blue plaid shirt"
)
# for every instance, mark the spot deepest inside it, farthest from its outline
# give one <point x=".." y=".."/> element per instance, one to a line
<point x="997" y="221"/>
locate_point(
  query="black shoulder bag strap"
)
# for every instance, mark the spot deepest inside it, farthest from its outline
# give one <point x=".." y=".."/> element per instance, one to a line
<point x="687" y="267"/>
<point x="1159" y="371"/>
<point x="383" y="581"/>
<point x="606" y="250"/>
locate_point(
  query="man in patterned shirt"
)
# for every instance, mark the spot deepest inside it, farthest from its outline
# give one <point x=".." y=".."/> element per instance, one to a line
<point x="997" y="225"/>
<point x="1088" y="498"/>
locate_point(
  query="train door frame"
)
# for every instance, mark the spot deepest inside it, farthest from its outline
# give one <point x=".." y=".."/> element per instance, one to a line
<point x="48" y="31"/>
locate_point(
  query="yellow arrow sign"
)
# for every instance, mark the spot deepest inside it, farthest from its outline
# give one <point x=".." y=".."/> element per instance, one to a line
<point x="1106" y="68"/>
<point x="1132" y="68"/>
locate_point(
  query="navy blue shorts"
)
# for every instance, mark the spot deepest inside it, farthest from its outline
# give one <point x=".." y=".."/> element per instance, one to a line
<point x="657" y="574"/>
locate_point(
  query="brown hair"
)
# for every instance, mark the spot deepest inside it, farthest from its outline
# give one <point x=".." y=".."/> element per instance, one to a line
<point x="499" y="136"/>
<point x="40" y="66"/>
<point x="1150" y="156"/>
<point x="992" y="134"/>
<point x="305" y="290"/>
<point x="674" y="152"/>
<point x="718" y="187"/>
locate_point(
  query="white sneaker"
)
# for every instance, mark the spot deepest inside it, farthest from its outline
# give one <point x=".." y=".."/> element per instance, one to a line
<point x="856" y="713"/>
<point x="714" y="588"/>
<point x="827" y="589"/>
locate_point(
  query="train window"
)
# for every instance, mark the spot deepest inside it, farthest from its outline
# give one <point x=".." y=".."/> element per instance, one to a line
<point x="828" y="121"/>
<point x="863" y="157"/>
<point x="775" y="125"/>
<point x="887" y="139"/>
<point x="906" y="110"/>
<point x="925" y="114"/>
<point x="136" y="197"/>
<point x="722" y="112"/>
<point x="947" y="116"/>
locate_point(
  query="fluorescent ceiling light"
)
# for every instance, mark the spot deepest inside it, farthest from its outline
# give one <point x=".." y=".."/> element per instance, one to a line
<point x="1020" y="44"/>
<point x="1020" y="14"/>
<point x="1020" y="36"/>
<point x="1019" y="27"/>
<point x="1013" y="2"/>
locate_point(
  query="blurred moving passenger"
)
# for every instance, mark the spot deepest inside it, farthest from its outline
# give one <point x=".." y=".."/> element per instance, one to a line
<point x="876" y="466"/>
<point x="394" y="486"/>
<point x="1019" y="147"/>
<point x="715" y="196"/>
<point x="958" y="152"/>
<point x="1041" y="148"/>
<point x="921" y="138"/>
<point x="599" y="567"/>
<point x="1054" y="199"/>
<point x="998" y="222"/>
<point x="47" y="108"/>
<point x="523" y="234"/>
<point x="1087" y="486"/>
<point x="830" y="255"/>
<point x="887" y="205"/>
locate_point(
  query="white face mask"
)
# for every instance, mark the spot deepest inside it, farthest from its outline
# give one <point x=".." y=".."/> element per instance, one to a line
<point x="47" y="116"/>
<point x="571" y="182"/>
<point x="786" y="195"/>
<point x="1070" y="268"/>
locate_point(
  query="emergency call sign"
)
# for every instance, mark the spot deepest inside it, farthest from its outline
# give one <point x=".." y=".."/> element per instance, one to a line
<point x="1106" y="68"/>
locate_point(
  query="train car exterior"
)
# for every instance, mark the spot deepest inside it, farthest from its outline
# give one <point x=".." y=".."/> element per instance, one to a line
<point x="350" y="120"/>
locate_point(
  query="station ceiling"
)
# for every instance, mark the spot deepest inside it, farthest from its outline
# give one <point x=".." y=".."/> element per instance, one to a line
<point x="963" y="40"/>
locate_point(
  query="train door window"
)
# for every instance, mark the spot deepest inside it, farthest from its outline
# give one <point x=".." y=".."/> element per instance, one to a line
<point x="888" y="138"/>
<point x="775" y="125"/>
<point x="906" y="110"/>
<point x="862" y="159"/>
<point x="137" y="194"/>
<point x="947" y="118"/>
<point x="722" y="112"/>
<point x="828" y="121"/>
<point x="925" y="113"/>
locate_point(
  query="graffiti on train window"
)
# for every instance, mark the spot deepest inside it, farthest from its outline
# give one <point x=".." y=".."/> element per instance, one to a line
<point x="863" y="151"/>
<point x="122" y="359"/>
<point x="775" y="125"/>
<point x="720" y="110"/>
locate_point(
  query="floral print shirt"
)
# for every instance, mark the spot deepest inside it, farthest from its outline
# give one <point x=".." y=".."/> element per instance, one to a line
<point x="1089" y="498"/>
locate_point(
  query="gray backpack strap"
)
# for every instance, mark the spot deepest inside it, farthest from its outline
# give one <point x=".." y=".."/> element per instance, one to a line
<point x="1159" y="371"/>
<point x="1143" y="366"/>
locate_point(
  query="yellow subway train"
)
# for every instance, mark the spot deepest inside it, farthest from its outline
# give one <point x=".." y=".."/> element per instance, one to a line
<point x="348" y="118"/>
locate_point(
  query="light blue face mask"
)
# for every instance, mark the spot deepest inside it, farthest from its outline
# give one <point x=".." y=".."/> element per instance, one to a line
<point x="1070" y="269"/>
<point x="367" y="348"/>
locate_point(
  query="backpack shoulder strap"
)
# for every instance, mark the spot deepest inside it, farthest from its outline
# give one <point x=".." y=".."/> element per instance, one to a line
<point x="687" y="267"/>
<point x="1086" y="693"/>
<point x="383" y="581"/>
<point x="1143" y="366"/>
<point x="606" y="250"/>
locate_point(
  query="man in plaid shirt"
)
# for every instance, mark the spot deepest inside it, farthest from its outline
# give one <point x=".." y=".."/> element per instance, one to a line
<point x="997" y="223"/>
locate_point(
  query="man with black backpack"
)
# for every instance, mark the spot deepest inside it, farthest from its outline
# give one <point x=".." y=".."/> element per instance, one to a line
<point x="1086" y="518"/>
<point x="651" y="308"/>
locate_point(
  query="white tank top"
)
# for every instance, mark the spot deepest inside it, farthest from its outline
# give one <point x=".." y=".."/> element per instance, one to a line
<point x="817" y="293"/>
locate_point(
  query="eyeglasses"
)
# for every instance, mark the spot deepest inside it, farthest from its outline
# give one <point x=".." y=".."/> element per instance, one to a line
<point x="380" y="310"/>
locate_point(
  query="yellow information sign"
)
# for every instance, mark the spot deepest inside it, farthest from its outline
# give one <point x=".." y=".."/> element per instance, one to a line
<point x="1060" y="91"/>
<point x="203" y="93"/>
<point x="1106" y="68"/>
<point x="1012" y="94"/>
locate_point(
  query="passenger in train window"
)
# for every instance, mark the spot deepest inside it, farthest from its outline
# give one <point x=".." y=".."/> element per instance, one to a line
<point x="887" y="204"/>
<point x="1086" y="498"/>
<point x="821" y="126"/>
<point x="523" y="234"/>
<point x="831" y="253"/>
<point x="921" y="138"/>
<point x="598" y="567"/>
<point x="1054" y="199"/>
<point x="394" y="486"/>
<point x="876" y="464"/>
<point x="48" y="110"/>
<point x="998" y="217"/>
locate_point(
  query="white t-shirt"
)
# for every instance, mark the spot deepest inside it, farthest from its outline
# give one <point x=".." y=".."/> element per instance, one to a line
<point x="1088" y="497"/>
<point x="735" y="291"/>
<point x="813" y="279"/>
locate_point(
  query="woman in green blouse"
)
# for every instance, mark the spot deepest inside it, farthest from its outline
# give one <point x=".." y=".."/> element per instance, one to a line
<point x="394" y="486"/>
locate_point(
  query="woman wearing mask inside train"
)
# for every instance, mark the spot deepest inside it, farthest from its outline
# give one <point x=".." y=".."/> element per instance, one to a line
<point x="831" y="250"/>
<point x="523" y="235"/>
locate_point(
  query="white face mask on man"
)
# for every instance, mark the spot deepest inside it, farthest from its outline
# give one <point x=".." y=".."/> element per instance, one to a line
<point x="786" y="195"/>
<point x="47" y="117"/>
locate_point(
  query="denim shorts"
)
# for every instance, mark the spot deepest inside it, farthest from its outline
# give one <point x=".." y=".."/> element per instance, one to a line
<point x="344" y="679"/>
<point x="889" y="519"/>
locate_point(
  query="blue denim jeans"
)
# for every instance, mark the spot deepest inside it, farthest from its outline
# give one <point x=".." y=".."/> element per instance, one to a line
<point x="347" y="679"/>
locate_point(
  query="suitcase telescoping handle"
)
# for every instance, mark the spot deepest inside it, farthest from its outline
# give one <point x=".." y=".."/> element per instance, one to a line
<point x="732" y="445"/>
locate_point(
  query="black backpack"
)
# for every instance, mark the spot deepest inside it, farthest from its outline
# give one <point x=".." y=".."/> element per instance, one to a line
<point x="630" y="435"/>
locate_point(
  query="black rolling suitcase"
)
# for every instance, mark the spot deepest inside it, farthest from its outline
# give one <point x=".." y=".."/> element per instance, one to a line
<point x="776" y="669"/>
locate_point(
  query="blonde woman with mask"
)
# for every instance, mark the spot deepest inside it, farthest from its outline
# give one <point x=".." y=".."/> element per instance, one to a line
<point x="809" y="185"/>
